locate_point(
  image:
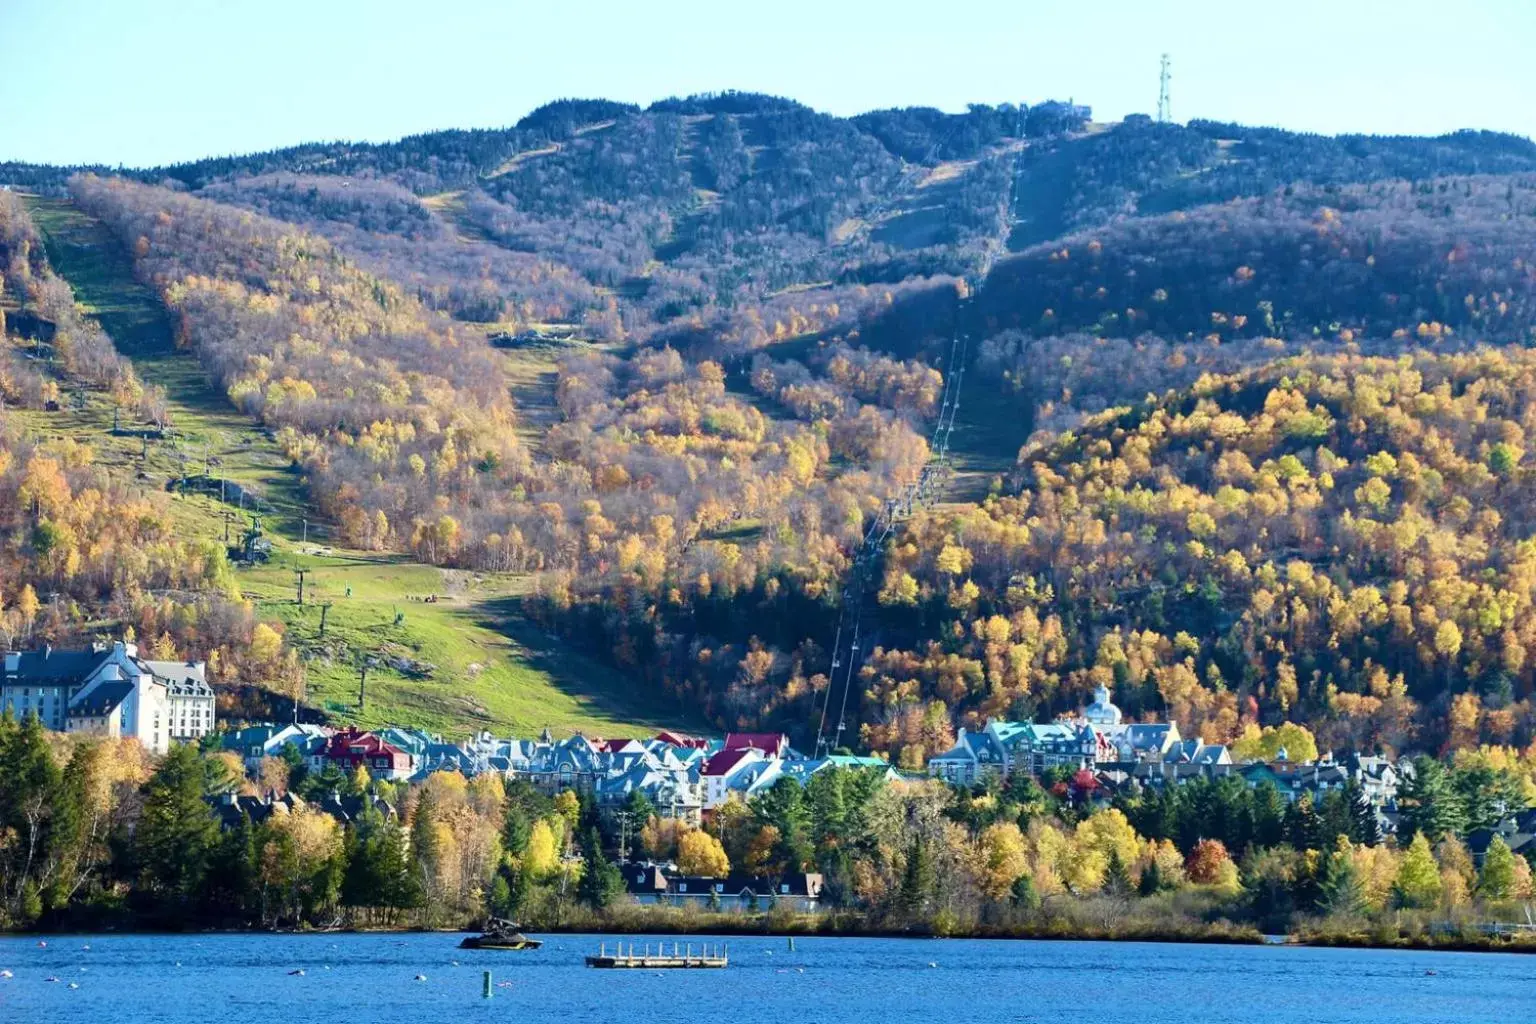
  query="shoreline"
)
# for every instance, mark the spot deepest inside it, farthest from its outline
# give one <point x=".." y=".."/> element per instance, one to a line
<point x="1205" y="936"/>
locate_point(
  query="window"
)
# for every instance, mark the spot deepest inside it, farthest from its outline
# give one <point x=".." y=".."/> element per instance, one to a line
<point x="784" y="889"/>
<point x="682" y="886"/>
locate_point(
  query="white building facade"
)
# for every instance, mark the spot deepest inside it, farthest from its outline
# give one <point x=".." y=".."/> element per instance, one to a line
<point x="109" y="691"/>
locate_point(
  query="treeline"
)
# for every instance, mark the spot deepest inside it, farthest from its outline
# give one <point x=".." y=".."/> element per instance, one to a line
<point x="1415" y="260"/>
<point x="1339" y="541"/>
<point x="362" y="384"/>
<point x="695" y="211"/>
<point x="85" y="551"/>
<point x="403" y="425"/>
<point x="1143" y="168"/>
<point x="80" y="346"/>
<point x="103" y="837"/>
<point x="394" y="234"/>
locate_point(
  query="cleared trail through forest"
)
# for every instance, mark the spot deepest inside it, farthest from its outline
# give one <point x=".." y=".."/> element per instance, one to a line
<point x="467" y="660"/>
<point x="207" y="432"/>
<point x="990" y="427"/>
<point x="533" y="370"/>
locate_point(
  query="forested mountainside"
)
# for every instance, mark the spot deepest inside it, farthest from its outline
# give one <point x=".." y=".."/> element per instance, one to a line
<point x="1267" y="394"/>
<point x="78" y="540"/>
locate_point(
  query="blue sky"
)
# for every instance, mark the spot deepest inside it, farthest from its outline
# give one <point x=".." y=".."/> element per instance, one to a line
<point x="152" y="81"/>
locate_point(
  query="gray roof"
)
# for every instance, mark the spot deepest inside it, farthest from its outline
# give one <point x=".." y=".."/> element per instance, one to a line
<point x="102" y="699"/>
<point x="49" y="667"/>
<point x="181" y="678"/>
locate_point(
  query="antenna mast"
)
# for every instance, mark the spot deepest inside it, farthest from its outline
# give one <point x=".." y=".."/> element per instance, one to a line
<point x="1164" y="103"/>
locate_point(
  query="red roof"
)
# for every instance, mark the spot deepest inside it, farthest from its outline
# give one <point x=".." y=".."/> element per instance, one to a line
<point x="678" y="739"/>
<point x="768" y="742"/>
<point x="725" y="760"/>
<point x="611" y="746"/>
<point x="340" y="748"/>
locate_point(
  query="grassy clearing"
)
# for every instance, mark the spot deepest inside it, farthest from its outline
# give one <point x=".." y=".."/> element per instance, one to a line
<point x="466" y="661"/>
<point x="489" y="666"/>
<point x="451" y="208"/>
<point x="990" y="428"/>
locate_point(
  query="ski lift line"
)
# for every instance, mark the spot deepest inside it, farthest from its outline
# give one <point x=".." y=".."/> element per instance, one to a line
<point x="842" y="714"/>
<point x="950" y="393"/>
<point x="921" y="491"/>
<point x="837" y="645"/>
<point x="910" y="175"/>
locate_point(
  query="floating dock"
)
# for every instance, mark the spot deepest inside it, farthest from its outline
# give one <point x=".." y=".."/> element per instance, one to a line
<point x="680" y="956"/>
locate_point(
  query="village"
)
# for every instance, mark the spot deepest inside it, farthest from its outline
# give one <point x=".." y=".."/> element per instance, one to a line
<point x="1089" y="758"/>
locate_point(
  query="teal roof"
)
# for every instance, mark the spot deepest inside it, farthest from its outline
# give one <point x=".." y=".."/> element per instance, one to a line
<point x="1008" y="731"/>
<point x="850" y="761"/>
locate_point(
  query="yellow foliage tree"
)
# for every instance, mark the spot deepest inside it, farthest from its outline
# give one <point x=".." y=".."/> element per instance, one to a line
<point x="700" y="854"/>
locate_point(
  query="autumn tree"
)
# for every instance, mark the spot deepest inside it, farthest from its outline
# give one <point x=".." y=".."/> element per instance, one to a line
<point x="700" y="854"/>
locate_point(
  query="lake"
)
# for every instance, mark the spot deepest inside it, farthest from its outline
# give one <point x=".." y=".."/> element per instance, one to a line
<point x="244" y="979"/>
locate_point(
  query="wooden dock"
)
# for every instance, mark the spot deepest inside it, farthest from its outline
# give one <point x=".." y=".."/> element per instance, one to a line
<point x="679" y="957"/>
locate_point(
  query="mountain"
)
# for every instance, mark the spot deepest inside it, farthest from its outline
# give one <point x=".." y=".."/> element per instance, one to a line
<point x="1239" y="433"/>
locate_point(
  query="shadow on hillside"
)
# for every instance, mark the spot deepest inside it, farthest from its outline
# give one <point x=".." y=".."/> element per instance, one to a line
<point x="598" y="688"/>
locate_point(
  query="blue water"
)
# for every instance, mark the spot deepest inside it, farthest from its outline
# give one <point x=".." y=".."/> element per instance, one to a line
<point x="235" y="979"/>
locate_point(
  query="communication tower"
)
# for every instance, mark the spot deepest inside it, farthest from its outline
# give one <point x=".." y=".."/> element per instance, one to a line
<point x="1164" y="103"/>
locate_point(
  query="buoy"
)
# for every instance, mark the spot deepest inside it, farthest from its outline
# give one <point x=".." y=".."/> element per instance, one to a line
<point x="178" y="963"/>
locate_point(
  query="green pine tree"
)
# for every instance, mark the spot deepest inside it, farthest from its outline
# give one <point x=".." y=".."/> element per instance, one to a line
<point x="1341" y="893"/>
<point x="1364" y="824"/>
<point x="499" y="898"/>
<point x="919" y="880"/>
<point x="1429" y="803"/>
<point x="29" y="789"/>
<point x="1117" y="877"/>
<point x="601" y="882"/>
<point x="425" y="853"/>
<point x="177" y="833"/>
<point x="784" y="807"/>
<point x="1304" y="826"/>
<point x="1488" y="796"/>
<point x="1023" y="894"/>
